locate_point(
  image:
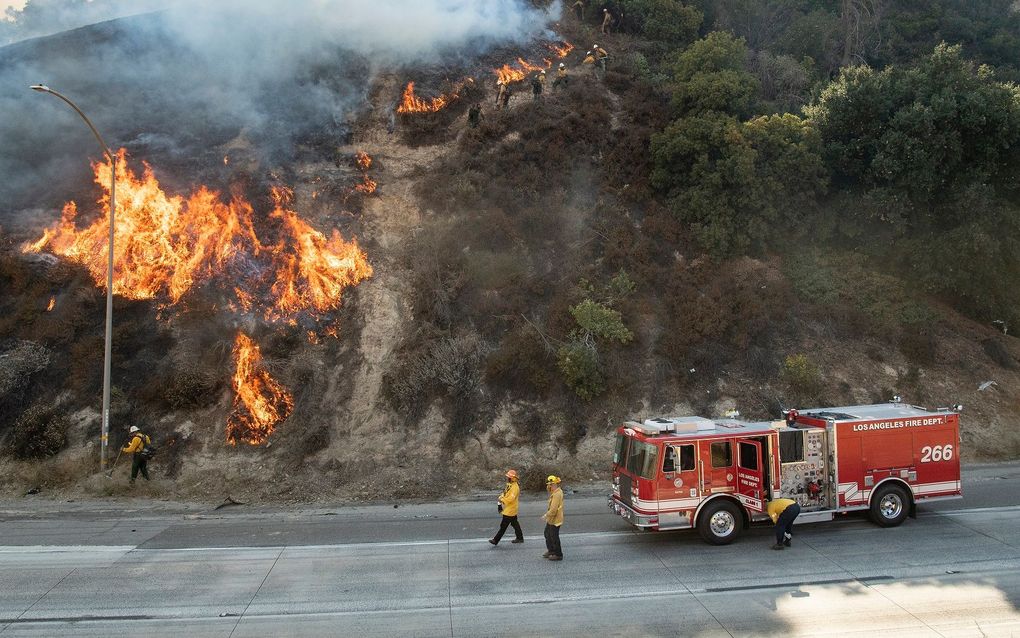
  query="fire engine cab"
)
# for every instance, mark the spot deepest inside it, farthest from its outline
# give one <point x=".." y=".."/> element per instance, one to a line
<point x="718" y="475"/>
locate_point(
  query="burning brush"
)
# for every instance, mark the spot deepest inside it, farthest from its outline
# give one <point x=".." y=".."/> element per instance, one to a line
<point x="278" y="266"/>
<point x="260" y="402"/>
<point x="168" y="245"/>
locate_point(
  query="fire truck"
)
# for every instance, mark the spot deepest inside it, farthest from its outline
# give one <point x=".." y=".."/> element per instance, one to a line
<point x="717" y="475"/>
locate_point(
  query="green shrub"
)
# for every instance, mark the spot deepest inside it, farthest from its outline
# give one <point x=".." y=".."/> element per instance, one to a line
<point x="802" y="378"/>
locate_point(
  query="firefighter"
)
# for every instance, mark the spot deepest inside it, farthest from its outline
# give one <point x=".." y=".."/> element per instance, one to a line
<point x="783" y="511"/>
<point x="579" y="10"/>
<point x="589" y="58"/>
<point x="561" y="77"/>
<point x="508" y="504"/>
<point x="474" y="115"/>
<point x="601" y="56"/>
<point x="607" y="21"/>
<point x="553" y="518"/>
<point x="537" y="84"/>
<point x="135" y="448"/>
<point x="501" y="93"/>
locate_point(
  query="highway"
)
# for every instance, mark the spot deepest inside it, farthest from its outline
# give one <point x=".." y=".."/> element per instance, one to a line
<point x="162" y="569"/>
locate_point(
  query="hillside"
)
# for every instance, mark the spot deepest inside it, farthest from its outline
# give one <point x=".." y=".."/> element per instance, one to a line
<point x="373" y="299"/>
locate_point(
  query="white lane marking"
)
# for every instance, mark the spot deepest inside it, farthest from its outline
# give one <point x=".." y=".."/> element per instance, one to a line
<point x="68" y="549"/>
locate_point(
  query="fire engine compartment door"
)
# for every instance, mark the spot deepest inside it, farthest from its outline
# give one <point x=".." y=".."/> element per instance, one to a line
<point x="750" y="475"/>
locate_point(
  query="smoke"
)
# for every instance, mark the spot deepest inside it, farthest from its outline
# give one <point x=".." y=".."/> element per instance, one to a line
<point x="176" y="83"/>
<point x="46" y="17"/>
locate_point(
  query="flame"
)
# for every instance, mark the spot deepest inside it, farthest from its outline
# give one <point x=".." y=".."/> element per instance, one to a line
<point x="51" y="304"/>
<point x="367" y="185"/>
<point x="561" y="50"/>
<point x="411" y="103"/>
<point x="363" y="160"/>
<point x="508" y="74"/>
<point x="167" y="245"/>
<point x="226" y="160"/>
<point x="260" y="402"/>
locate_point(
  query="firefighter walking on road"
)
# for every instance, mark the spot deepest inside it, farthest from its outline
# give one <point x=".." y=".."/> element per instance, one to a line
<point x="553" y="518"/>
<point x="508" y="504"/>
<point x="783" y="511"/>
<point x="136" y="447"/>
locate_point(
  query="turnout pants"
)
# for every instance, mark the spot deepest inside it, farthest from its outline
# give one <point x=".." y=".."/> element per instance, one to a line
<point x="552" y="540"/>
<point x="784" y="524"/>
<point x="138" y="465"/>
<point x="505" y="523"/>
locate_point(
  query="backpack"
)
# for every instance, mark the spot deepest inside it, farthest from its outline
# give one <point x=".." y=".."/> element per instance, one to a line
<point x="148" y="449"/>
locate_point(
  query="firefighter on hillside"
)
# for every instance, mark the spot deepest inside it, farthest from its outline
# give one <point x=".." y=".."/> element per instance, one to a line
<point x="607" y="21"/>
<point x="561" y="77"/>
<point x="537" y="84"/>
<point x="589" y="58"/>
<point x="579" y="10"/>
<point x="508" y="503"/>
<point x="783" y="511"/>
<point x="553" y="518"/>
<point x="474" y="115"/>
<point x="601" y="56"/>
<point x="500" y="93"/>
<point x="135" y="447"/>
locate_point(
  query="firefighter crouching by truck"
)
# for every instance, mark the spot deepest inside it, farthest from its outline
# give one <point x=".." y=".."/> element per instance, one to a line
<point x="783" y="511"/>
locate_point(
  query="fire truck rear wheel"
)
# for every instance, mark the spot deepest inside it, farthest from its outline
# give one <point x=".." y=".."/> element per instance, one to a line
<point x="890" y="506"/>
<point x="720" y="522"/>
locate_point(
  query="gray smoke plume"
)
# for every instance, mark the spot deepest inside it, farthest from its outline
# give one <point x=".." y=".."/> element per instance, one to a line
<point x="172" y="85"/>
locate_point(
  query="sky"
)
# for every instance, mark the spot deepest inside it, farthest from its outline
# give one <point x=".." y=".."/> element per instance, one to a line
<point x="6" y="4"/>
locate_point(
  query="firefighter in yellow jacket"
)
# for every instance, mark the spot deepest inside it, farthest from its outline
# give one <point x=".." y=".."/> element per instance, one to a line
<point x="553" y="518"/>
<point x="783" y="511"/>
<point x="508" y="503"/>
<point x="135" y="447"/>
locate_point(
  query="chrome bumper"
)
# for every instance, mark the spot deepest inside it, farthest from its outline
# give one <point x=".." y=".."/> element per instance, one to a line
<point x="632" y="517"/>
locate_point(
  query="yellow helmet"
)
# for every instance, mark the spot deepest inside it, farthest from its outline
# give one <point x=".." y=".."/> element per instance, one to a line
<point x="552" y="479"/>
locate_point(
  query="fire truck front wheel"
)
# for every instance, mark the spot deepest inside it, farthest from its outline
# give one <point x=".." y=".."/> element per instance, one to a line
<point x="720" y="522"/>
<point x="890" y="505"/>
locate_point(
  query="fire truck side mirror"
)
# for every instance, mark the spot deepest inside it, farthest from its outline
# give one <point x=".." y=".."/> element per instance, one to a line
<point x="958" y="407"/>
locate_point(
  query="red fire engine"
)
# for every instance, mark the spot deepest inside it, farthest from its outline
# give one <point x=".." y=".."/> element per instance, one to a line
<point x="718" y="475"/>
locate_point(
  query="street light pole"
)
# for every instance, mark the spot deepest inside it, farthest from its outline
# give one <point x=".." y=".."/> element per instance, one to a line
<point x="105" y="435"/>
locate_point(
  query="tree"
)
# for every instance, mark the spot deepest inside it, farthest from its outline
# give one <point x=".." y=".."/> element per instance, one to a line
<point x="917" y="136"/>
<point x="579" y="359"/>
<point x="711" y="75"/>
<point x="667" y="22"/>
<point x="740" y="184"/>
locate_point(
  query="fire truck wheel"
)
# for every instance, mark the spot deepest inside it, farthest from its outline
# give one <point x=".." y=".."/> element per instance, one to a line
<point x="890" y="506"/>
<point x="720" y="522"/>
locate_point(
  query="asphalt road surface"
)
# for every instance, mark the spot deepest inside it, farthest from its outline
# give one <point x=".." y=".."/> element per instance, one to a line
<point x="125" y="568"/>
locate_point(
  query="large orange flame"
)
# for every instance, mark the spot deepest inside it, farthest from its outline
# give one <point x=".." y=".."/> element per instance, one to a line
<point x="508" y="74"/>
<point x="260" y="402"/>
<point x="411" y="103"/>
<point x="166" y="245"/>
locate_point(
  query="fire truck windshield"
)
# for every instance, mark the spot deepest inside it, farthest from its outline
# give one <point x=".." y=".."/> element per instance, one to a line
<point x="643" y="459"/>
